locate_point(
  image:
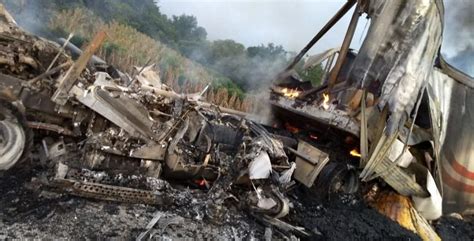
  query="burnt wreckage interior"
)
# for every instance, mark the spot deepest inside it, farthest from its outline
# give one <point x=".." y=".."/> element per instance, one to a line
<point x="96" y="132"/>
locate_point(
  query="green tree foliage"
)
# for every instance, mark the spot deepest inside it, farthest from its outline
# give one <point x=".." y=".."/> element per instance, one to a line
<point x="187" y="28"/>
<point x="266" y="52"/>
<point x="222" y="49"/>
<point x="313" y="75"/>
<point x="248" y="68"/>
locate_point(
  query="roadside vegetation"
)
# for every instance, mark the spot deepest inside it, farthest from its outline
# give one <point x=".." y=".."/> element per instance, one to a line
<point x="138" y="33"/>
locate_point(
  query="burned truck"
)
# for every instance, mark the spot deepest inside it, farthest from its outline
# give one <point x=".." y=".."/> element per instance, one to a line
<point x="382" y="119"/>
<point x="95" y="132"/>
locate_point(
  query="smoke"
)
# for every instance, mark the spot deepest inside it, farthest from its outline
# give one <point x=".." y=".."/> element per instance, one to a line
<point x="255" y="74"/>
<point x="458" y="42"/>
<point x="464" y="60"/>
<point x="252" y="69"/>
<point x="29" y="14"/>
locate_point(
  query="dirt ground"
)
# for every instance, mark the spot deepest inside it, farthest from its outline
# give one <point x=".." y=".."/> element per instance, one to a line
<point x="450" y="228"/>
<point x="26" y="212"/>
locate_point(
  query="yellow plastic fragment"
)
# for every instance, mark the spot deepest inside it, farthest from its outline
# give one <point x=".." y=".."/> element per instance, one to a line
<point x="401" y="210"/>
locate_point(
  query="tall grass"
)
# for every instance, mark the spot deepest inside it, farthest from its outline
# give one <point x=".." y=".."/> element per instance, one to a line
<point x="126" y="47"/>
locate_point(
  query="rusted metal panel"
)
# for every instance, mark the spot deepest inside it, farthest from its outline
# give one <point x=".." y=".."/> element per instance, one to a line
<point x="107" y="192"/>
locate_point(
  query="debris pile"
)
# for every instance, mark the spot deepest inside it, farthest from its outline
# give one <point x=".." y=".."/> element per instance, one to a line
<point x="83" y="128"/>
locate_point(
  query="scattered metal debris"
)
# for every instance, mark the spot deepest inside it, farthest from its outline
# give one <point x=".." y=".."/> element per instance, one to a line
<point x="100" y="134"/>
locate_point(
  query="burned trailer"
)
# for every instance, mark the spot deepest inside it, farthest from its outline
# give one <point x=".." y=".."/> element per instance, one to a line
<point x="394" y="103"/>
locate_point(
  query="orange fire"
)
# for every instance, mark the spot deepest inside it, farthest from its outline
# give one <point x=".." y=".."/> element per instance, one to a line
<point x="355" y="153"/>
<point x="290" y="93"/>
<point x="201" y="182"/>
<point x="325" y="103"/>
<point x="291" y="128"/>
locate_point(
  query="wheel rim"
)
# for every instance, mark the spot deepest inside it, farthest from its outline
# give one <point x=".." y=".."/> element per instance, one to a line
<point x="336" y="179"/>
<point x="344" y="182"/>
<point x="12" y="141"/>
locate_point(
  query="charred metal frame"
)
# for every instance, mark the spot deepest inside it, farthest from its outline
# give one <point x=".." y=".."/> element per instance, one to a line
<point x="344" y="48"/>
<point x="344" y="9"/>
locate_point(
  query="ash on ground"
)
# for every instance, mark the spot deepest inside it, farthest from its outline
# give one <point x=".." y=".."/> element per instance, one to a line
<point x="26" y="212"/>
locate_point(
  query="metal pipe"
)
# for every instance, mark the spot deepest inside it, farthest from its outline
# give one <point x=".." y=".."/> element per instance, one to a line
<point x="76" y="51"/>
<point x="61" y="50"/>
<point x="328" y="66"/>
<point x="344" y="48"/>
<point x="348" y="5"/>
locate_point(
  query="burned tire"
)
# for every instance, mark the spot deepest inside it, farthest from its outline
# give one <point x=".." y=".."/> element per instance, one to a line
<point x="335" y="179"/>
<point x="15" y="137"/>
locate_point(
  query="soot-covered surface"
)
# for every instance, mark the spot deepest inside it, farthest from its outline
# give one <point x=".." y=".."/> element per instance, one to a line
<point x="28" y="212"/>
<point x="450" y="228"/>
<point x="346" y="218"/>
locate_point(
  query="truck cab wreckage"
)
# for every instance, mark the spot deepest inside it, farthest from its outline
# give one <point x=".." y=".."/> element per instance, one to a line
<point x="390" y="121"/>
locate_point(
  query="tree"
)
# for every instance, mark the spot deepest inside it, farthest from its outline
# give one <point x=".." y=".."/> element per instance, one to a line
<point x="313" y="75"/>
<point x="221" y="49"/>
<point x="250" y="68"/>
<point x="187" y="28"/>
<point x="267" y="52"/>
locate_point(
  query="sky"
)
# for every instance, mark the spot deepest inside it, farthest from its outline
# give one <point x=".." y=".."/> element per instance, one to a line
<point x="290" y="23"/>
<point x="293" y="23"/>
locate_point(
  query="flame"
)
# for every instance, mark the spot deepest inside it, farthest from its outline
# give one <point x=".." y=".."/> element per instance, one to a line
<point x="355" y="153"/>
<point x="325" y="103"/>
<point x="290" y="93"/>
<point x="291" y="128"/>
<point x="201" y="182"/>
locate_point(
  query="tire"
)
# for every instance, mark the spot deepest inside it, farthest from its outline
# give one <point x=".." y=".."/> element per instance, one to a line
<point x="335" y="179"/>
<point x="15" y="137"/>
